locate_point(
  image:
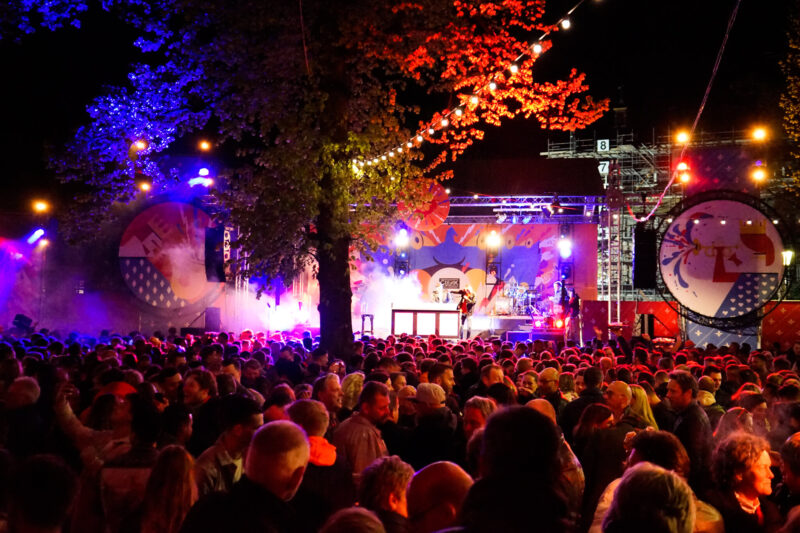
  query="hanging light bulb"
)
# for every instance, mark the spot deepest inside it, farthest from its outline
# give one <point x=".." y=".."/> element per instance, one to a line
<point x="458" y="112"/>
<point x="537" y="48"/>
<point x="445" y="122"/>
<point x="419" y="138"/>
<point x="431" y="131"/>
<point x="492" y="86"/>
<point x="565" y="24"/>
<point x="513" y="68"/>
<point x="473" y="99"/>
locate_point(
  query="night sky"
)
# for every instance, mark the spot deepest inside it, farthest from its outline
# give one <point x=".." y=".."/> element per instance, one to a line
<point x="656" y="56"/>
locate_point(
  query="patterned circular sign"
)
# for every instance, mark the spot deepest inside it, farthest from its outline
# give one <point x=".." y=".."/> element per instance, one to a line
<point x="722" y="259"/>
<point x="162" y="255"/>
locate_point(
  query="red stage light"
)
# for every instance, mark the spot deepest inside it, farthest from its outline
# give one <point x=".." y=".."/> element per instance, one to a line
<point x="559" y="323"/>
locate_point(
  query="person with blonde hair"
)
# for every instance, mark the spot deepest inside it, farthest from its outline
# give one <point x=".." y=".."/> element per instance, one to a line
<point x="640" y="406"/>
<point x="351" y="389"/>
<point x="171" y="492"/>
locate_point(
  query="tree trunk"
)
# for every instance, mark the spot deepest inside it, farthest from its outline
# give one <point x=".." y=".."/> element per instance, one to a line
<point x="335" y="299"/>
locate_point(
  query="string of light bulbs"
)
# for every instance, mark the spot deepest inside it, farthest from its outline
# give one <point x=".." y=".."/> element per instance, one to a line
<point x="536" y="47"/>
<point x="700" y="110"/>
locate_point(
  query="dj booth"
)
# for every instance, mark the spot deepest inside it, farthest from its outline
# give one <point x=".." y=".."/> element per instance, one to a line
<point x="427" y="319"/>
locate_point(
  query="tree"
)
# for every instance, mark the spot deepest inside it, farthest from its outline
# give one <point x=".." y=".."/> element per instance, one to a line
<point x="303" y="97"/>
<point x="790" y="99"/>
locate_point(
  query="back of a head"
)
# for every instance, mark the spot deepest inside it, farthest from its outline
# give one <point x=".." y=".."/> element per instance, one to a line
<point x="236" y="409"/>
<point x="593" y="377"/>
<point x="311" y="415"/>
<point x="277" y="457"/>
<point x="663" y="449"/>
<point x="519" y="442"/>
<point x="170" y="492"/>
<point x="650" y="498"/>
<point x="435" y="496"/>
<point x="44" y="489"/>
<point x="790" y="454"/>
<point x="383" y="477"/>
<point x="353" y="520"/>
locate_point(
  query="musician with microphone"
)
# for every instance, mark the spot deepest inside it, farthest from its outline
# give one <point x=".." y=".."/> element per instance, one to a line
<point x="466" y="304"/>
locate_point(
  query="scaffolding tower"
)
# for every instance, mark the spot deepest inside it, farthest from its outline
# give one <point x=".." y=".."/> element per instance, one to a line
<point x="634" y="175"/>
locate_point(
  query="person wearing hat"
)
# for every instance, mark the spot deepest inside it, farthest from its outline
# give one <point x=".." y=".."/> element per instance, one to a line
<point x="435" y="438"/>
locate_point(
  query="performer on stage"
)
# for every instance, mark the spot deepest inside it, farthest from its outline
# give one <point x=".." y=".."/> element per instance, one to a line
<point x="466" y="305"/>
<point x="574" y="319"/>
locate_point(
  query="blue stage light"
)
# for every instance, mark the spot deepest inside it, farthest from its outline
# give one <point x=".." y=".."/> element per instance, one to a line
<point x="35" y="236"/>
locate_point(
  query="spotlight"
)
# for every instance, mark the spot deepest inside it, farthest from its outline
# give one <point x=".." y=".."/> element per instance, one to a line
<point x="475" y="196"/>
<point x="40" y="206"/>
<point x="559" y="323"/>
<point x="202" y="172"/>
<point x="684" y="177"/>
<point x="43" y="243"/>
<point x="204" y="145"/>
<point x="140" y="145"/>
<point x="35" y="236"/>
<point x="144" y="186"/>
<point x="493" y="240"/>
<point x="447" y="191"/>
<point x="564" y="248"/>
<point x="401" y="238"/>
<point x="759" y="134"/>
<point x="682" y="137"/>
<point x="759" y="175"/>
<point x="682" y="166"/>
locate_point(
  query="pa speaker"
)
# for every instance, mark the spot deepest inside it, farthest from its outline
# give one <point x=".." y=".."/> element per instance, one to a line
<point x="213" y="319"/>
<point x="215" y="260"/>
<point x="645" y="257"/>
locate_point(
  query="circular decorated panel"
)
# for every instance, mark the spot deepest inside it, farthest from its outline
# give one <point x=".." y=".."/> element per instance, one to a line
<point x="162" y="255"/>
<point x="722" y="259"/>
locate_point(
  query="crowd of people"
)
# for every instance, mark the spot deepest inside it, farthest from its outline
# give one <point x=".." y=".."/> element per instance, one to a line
<point x="249" y="433"/>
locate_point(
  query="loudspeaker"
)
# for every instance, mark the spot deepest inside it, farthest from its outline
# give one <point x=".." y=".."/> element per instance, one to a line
<point x="645" y="324"/>
<point x="213" y="319"/>
<point x="215" y="260"/>
<point x="645" y="257"/>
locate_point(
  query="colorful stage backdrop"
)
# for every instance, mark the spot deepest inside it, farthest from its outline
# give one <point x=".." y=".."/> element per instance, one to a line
<point x="458" y="255"/>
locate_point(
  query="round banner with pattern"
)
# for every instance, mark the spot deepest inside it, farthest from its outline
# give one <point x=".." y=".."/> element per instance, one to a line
<point x="162" y="255"/>
<point x="722" y="259"/>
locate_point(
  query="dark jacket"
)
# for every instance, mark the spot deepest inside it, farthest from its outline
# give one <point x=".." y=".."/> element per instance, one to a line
<point x="573" y="410"/>
<point x="738" y="521"/>
<point x="393" y="522"/>
<point x="694" y="431"/>
<point x="557" y="400"/>
<point x="434" y="438"/>
<point x="205" y="427"/>
<point x="247" y="508"/>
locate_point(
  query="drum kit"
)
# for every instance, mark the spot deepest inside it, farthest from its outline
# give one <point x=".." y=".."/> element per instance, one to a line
<point x="518" y="299"/>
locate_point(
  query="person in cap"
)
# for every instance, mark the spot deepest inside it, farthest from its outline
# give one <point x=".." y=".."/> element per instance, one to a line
<point x="436" y="436"/>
